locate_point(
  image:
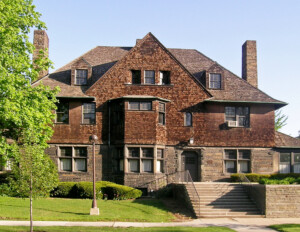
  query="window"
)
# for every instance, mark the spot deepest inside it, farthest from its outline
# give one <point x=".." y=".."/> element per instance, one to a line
<point x="134" y="105"/>
<point x="81" y="76"/>
<point x="73" y="159"/>
<point x="89" y="113"/>
<point x="149" y="77"/>
<point x="118" y="161"/>
<point x="160" y="161"/>
<point x="164" y="78"/>
<point x="239" y="115"/>
<point x="162" y="113"/>
<point x="62" y="113"/>
<point x="289" y="162"/>
<point x="5" y="165"/>
<point x="141" y="159"/>
<point x="237" y="161"/>
<point x="215" y="81"/>
<point x="136" y="77"/>
<point x="188" y="121"/>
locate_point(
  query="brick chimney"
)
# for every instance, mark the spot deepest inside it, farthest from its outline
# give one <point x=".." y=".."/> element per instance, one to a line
<point x="41" y="42"/>
<point x="249" y="62"/>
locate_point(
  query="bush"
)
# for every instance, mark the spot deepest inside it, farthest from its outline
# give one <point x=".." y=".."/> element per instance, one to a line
<point x="252" y="177"/>
<point x="165" y="192"/>
<point x="104" y="189"/>
<point x="5" y="190"/>
<point x="280" y="176"/>
<point x="273" y="181"/>
<point x="64" y="189"/>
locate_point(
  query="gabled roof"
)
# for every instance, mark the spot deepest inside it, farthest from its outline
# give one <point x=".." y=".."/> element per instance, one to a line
<point x="286" y="141"/>
<point x="103" y="58"/>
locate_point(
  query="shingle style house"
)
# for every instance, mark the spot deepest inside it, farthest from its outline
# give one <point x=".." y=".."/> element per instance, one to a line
<point x="157" y="111"/>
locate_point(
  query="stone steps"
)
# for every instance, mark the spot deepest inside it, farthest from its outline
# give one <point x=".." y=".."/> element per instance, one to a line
<point x="221" y="200"/>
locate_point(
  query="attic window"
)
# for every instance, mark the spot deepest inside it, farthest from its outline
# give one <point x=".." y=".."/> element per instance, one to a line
<point x="164" y="77"/>
<point x="81" y="77"/>
<point x="215" y="81"/>
<point x="149" y="77"/>
<point x="136" y="77"/>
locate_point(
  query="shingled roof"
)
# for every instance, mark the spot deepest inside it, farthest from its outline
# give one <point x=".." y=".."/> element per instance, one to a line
<point x="102" y="58"/>
<point x="286" y="141"/>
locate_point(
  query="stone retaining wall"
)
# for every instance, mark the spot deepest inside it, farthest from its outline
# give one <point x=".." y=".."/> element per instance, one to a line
<point x="277" y="201"/>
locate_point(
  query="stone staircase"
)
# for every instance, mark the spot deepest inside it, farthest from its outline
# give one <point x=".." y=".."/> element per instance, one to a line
<point x="219" y="199"/>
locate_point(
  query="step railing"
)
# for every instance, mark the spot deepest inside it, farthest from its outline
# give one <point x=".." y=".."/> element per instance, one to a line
<point x="243" y="180"/>
<point x="185" y="177"/>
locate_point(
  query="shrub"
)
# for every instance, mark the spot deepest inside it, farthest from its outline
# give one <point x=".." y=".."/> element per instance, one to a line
<point x="64" y="189"/>
<point x="252" y="177"/>
<point x="273" y="181"/>
<point x="104" y="189"/>
<point x="165" y="192"/>
<point x="5" y="190"/>
<point x="280" y="176"/>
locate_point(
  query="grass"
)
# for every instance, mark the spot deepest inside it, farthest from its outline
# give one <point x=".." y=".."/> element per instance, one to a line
<point x="58" y="209"/>
<point x="88" y="229"/>
<point x="286" y="227"/>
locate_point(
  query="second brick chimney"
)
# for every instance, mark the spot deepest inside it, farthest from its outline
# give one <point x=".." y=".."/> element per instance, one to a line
<point x="41" y="42"/>
<point x="249" y="62"/>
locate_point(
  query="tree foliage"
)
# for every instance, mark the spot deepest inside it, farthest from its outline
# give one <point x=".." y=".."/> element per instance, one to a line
<point x="24" y="110"/>
<point x="280" y="120"/>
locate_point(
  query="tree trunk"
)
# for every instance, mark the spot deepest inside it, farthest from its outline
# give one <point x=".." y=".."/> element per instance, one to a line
<point x="31" y="219"/>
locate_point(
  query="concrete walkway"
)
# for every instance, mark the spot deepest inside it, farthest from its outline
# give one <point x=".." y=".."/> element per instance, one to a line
<point x="237" y="224"/>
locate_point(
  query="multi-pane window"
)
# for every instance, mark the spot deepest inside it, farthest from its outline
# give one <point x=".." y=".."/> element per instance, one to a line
<point x="164" y="78"/>
<point x="141" y="159"/>
<point x="150" y="77"/>
<point x="81" y="76"/>
<point x="62" y="112"/>
<point x="144" y="105"/>
<point x="215" y="81"/>
<point x="239" y="116"/>
<point x="188" y="120"/>
<point x="162" y="113"/>
<point x="89" y="113"/>
<point x="73" y="159"/>
<point x="136" y="77"/>
<point x="160" y="161"/>
<point x="289" y="162"/>
<point x="147" y="159"/>
<point x="237" y="161"/>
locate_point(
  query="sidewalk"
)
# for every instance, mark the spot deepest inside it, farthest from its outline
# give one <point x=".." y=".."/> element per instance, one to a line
<point x="237" y="224"/>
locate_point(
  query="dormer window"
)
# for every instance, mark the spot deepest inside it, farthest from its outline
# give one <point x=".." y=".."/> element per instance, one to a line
<point x="215" y="81"/>
<point x="81" y="76"/>
<point x="149" y="77"/>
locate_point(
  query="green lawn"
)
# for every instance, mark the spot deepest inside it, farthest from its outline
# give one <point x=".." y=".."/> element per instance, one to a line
<point x="88" y="229"/>
<point x="286" y="227"/>
<point x="58" y="209"/>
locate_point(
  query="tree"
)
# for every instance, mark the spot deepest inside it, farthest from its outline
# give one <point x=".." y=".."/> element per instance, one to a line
<point x="26" y="113"/>
<point x="33" y="174"/>
<point x="280" y="120"/>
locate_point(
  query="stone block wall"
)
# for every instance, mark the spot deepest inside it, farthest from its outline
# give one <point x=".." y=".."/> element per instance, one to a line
<point x="276" y="201"/>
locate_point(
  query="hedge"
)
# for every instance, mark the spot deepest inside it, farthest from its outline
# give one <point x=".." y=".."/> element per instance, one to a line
<point x="104" y="190"/>
<point x="280" y="178"/>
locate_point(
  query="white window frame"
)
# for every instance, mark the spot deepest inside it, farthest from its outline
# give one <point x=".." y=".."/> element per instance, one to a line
<point x="92" y="113"/>
<point x="212" y="82"/>
<point x="57" y="112"/>
<point x="188" y="123"/>
<point x="291" y="164"/>
<point x="237" y="117"/>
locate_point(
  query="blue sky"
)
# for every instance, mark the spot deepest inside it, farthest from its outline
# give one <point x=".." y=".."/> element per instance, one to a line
<point x="216" y="28"/>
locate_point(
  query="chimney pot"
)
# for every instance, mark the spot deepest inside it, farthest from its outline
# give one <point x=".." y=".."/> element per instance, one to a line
<point x="249" y="62"/>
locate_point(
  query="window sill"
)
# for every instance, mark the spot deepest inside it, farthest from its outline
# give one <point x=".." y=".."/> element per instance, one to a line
<point x="61" y="123"/>
<point x="169" y="85"/>
<point x="70" y="172"/>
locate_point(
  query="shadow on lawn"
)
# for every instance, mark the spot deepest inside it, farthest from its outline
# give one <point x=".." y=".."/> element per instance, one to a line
<point x="179" y="210"/>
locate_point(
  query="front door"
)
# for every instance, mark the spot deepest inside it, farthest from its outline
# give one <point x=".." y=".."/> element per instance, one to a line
<point x="190" y="162"/>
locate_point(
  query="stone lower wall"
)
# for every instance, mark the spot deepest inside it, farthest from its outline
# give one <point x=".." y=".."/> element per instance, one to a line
<point x="277" y="201"/>
<point x="181" y="195"/>
<point x="282" y="201"/>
